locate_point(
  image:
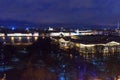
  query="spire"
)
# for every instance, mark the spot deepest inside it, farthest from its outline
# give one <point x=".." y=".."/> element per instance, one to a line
<point x="118" y="25"/>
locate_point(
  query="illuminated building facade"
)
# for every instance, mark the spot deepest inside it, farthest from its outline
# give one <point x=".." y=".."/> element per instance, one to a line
<point x="90" y="49"/>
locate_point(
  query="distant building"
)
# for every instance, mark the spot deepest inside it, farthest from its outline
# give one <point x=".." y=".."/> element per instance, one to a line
<point x="73" y="33"/>
<point x="50" y="29"/>
<point x="58" y="34"/>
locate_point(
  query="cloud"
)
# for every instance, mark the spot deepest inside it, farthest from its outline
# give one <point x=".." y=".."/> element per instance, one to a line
<point x="50" y="11"/>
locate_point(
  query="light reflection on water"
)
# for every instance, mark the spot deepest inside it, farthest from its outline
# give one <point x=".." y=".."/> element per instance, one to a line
<point x="6" y="68"/>
<point x="18" y="39"/>
<point x="15" y="59"/>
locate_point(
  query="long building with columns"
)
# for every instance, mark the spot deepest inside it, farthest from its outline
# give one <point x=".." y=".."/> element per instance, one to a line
<point x="90" y="46"/>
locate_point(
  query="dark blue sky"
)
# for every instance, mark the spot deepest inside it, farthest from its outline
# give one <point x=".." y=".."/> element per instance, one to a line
<point x="61" y="11"/>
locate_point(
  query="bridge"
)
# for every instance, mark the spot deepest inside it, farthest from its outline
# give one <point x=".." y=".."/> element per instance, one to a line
<point x="18" y="38"/>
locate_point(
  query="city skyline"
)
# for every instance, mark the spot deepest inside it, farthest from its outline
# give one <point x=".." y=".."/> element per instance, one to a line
<point x="45" y="11"/>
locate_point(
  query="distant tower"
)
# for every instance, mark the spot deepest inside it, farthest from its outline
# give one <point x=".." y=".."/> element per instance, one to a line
<point x="50" y="29"/>
<point x="118" y="25"/>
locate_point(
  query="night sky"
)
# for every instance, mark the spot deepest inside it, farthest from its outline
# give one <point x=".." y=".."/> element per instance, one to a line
<point x="61" y="11"/>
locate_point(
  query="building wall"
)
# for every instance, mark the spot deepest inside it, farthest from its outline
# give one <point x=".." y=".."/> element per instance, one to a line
<point x="90" y="50"/>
